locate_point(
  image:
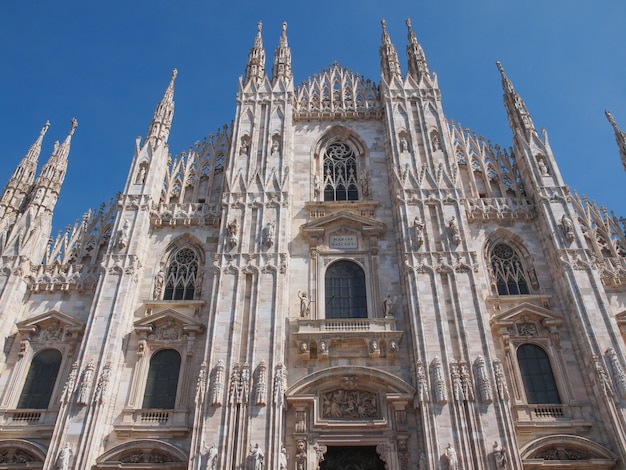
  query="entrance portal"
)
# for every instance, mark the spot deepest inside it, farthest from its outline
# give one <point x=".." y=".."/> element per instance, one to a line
<point x="352" y="458"/>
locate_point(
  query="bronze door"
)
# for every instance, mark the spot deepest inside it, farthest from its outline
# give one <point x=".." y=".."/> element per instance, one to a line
<point x="352" y="458"/>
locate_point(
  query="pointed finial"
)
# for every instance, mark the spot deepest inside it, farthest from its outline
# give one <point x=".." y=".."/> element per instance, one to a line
<point x="44" y="129"/>
<point x="519" y="117"/>
<point x="389" y="64"/>
<point x="418" y="67"/>
<point x="162" y="119"/>
<point x="74" y="122"/>
<point x="506" y="83"/>
<point x="620" y="137"/>
<point x="609" y="116"/>
<point x="256" y="57"/>
<point x="282" y="58"/>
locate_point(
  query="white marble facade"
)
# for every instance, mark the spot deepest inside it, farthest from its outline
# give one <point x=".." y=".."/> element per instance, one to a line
<point x="342" y="267"/>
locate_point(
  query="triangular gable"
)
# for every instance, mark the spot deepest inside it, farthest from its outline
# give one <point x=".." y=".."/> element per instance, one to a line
<point x="319" y="227"/>
<point x="527" y="310"/>
<point x="150" y="323"/>
<point x="39" y="322"/>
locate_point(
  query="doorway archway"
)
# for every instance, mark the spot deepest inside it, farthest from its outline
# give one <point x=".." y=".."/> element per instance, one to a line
<point x="352" y="458"/>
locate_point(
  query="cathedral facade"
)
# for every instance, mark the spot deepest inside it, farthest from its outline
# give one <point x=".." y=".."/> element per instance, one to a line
<point x="341" y="279"/>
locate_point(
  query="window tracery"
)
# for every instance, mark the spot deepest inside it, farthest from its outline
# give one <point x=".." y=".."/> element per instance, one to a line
<point x="181" y="277"/>
<point x="340" y="173"/>
<point x="510" y="276"/>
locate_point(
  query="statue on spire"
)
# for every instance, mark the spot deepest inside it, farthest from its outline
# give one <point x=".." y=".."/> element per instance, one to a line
<point x="255" y="69"/>
<point x="620" y="137"/>
<point x="418" y="67"/>
<point x="282" y="58"/>
<point x="164" y="112"/>
<point x="519" y="117"/>
<point x="389" y="63"/>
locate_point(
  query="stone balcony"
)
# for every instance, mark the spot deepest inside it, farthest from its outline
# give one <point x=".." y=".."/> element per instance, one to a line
<point x="40" y="422"/>
<point x="326" y="337"/>
<point x="150" y="421"/>
<point x="565" y="416"/>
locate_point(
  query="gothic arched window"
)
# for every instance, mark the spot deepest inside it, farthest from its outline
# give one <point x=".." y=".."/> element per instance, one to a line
<point x="537" y="375"/>
<point x="345" y="291"/>
<point x="162" y="380"/>
<point x="340" y="173"/>
<point x="40" y="381"/>
<point x="511" y="278"/>
<point x="181" y="275"/>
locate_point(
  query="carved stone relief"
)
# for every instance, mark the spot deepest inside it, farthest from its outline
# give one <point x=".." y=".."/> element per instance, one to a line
<point x="350" y="404"/>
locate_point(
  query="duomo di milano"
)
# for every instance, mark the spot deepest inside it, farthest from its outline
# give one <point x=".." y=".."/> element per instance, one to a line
<point x="341" y="279"/>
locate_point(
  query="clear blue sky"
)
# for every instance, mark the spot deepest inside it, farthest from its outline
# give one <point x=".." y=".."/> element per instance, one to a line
<point x="108" y="63"/>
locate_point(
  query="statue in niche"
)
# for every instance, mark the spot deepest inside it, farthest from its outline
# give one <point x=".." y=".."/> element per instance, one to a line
<point x="422" y="464"/>
<point x="543" y="169"/>
<point x="436" y="142"/>
<point x="141" y="175"/>
<point x="63" y="459"/>
<point x="211" y="460"/>
<point x="232" y="229"/>
<point x="159" y="281"/>
<point x="282" y="459"/>
<point x="453" y="230"/>
<point x="317" y="186"/>
<point x="418" y="228"/>
<point x="453" y="460"/>
<point x="322" y="347"/>
<point x="374" y="347"/>
<point x="84" y="388"/>
<point x="122" y="235"/>
<point x="568" y="228"/>
<point x="243" y="149"/>
<point x="404" y="146"/>
<point x="499" y="454"/>
<point x="305" y="304"/>
<point x="268" y="234"/>
<point x="388" y="306"/>
<point x="422" y="383"/>
<point x="364" y="182"/>
<point x="256" y="458"/>
<point x="275" y="145"/>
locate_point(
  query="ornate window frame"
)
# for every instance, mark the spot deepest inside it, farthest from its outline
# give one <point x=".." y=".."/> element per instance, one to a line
<point x="502" y="237"/>
<point x="344" y="236"/>
<point x="163" y="276"/>
<point x="334" y="138"/>
<point x="50" y="330"/>
<point x="167" y="329"/>
<point x="530" y="324"/>
<point x="349" y="237"/>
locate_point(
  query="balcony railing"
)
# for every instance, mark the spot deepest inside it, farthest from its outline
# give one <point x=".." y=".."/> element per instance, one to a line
<point x="357" y="325"/>
<point x="550" y="415"/>
<point x="321" y="338"/>
<point x="146" y="420"/>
